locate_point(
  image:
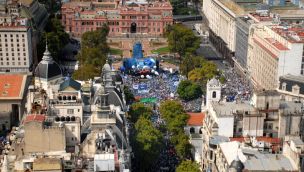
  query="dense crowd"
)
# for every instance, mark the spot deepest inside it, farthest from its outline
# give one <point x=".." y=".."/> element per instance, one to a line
<point x="162" y="87"/>
<point x="235" y="87"/>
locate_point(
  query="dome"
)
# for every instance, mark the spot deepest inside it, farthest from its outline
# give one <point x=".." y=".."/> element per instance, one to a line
<point x="237" y="165"/>
<point x="106" y="67"/>
<point x="47" y="68"/>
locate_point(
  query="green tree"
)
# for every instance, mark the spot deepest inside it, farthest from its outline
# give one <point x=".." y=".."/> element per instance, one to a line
<point x="94" y="50"/>
<point x="188" y="90"/>
<point x="188" y="166"/>
<point x="129" y="95"/>
<point x="182" y="40"/>
<point x="174" y="115"/>
<point x="183" y="146"/>
<point x="85" y="71"/>
<point x="191" y="62"/>
<point x="57" y="38"/>
<point x="138" y="110"/>
<point x="148" y="143"/>
<point x="203" y="74"/>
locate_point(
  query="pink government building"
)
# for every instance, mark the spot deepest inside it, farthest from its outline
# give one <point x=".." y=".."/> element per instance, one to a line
<point x="147" y="18"/>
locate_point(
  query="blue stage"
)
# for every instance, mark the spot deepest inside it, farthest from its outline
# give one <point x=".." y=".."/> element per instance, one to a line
<point x="138" y="64"/>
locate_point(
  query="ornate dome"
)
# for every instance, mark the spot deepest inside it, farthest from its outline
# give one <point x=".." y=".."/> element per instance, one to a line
<point x="237" y="164"/>
<point x="47" y="68"/>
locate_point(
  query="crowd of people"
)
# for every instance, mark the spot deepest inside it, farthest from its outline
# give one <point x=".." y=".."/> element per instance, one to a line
<point x="161" y="87"/>
<point x="235" y="87"/>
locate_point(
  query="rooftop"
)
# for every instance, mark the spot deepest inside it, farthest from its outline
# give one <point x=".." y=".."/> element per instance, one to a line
<point x="34" y="117"/>
<point x="267" y="93"/>
<point x="276" y="44"/>
<point x="12" y="86"/>
<point x="196" y="119"/>
<point x="292" y="33"/>
<point x="299" y="78"/>
<point x="264" y="48"/>
<point x="255" y="160"/>
<point x="47" y="164"/>
<point x="228" y="108"/>
<point x="259" y="139"/>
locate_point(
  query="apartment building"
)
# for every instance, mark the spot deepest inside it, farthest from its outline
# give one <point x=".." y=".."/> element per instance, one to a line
<point x="243" y="26"/>
<point x="20" y="24"/>
<point x="16" y="52"/>
<point x="274" y="51"/>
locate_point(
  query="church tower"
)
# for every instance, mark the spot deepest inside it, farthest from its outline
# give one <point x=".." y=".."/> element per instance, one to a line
<point x="213" y="91"/>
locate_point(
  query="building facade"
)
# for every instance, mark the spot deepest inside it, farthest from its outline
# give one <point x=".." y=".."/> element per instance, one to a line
<point x="221" y="16"/>
<point x="291" y="88"/>
<point x="16" y="51"/>
<point x="123" y="17"/>
<point x="274" y="51"/>
<point x="20" y="24"/>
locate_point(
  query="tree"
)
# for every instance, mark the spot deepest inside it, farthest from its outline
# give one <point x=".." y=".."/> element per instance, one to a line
<point x="183" y="146"/>
<point x="191" y="62"/>
<point x="188" y="90"/>
<point x="148" y="143"/>
<point x="182" y="40"/>
<point x="56" y="37"/>
<point x="138" y="110"/>
<point x="129" y="95"/>
<point x="174" y="115"/>
<point x="85" y="71"/>
<point x="188" y="166"/>
<point x="203" y="74"/>
<point x="94" y="50"/>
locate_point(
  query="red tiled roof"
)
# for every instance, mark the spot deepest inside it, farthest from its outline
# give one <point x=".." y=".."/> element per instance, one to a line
<point x="264" y="139"/>
<point x="34" y="117"/>
<point x="196" y="118"/>
<point x="12" y="86"/>
<point x="264" y="48"/>
<point x="276" y="44"/>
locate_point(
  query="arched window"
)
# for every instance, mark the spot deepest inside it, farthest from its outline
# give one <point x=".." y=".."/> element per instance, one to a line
<point x="192" y="130"/>
<point x="213" y="94"/>
<point x="200" y="130"/>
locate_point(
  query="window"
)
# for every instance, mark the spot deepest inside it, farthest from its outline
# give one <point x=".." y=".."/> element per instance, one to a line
<point x="70" y="111"/>
<point x="295" y="89"/>
<point x="73" y="129"/>
<point x="192" y="130"/>
<point x="213" y="94"/>
<point x="284" y="86"/>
